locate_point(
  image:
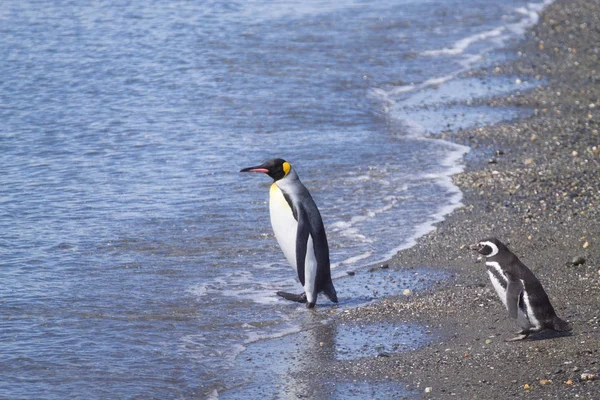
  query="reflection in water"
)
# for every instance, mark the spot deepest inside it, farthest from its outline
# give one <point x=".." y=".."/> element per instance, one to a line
<point x="305" y="365"/>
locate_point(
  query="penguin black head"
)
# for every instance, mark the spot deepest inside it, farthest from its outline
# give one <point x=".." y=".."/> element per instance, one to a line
<point x="489" y="247"/>
<point x="276" y="168"/>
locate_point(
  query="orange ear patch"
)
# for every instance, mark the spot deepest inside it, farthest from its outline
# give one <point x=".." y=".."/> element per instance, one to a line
<point x="286" y="167"/>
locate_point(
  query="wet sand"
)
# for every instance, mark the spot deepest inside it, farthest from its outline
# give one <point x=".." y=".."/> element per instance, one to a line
<point x="535" y="184"/>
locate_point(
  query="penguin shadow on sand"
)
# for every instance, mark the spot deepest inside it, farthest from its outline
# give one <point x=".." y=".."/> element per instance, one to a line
<point x="521" y="293"/>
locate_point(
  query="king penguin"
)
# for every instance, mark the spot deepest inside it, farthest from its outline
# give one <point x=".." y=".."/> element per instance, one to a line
<point x="299" y="231"/>
<point x="519" y="289"/>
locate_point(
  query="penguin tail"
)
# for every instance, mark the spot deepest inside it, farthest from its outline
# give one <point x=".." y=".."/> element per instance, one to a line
<point x="560" y="325"/>
<point x="330" y="292"/>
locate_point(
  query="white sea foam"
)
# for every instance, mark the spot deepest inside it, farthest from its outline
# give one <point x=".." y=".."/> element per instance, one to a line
<point x="245" y="285"/>
<point x="438" y="80"/>
<point x="254" y="337"/>
<point x="355" y="259"/>
<point x="461" y="45"/>
<point x="444" y="179"/>
<point x="497" y="35"/>
<point x="213" y="395"/>
<point x="402" y="89"/>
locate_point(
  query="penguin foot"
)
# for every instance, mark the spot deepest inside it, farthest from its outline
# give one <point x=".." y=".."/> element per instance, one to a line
<point x="298" y="298"/>
<point x="311" y="305"/>
<point x="521" y="336"/>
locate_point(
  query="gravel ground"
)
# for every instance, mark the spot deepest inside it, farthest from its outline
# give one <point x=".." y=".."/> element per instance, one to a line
<point x="535" y="184"/>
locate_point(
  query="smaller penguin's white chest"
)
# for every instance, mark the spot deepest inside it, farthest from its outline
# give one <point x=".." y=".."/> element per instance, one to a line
<point x="284" y="224"/>
<point x="498" y="287"/>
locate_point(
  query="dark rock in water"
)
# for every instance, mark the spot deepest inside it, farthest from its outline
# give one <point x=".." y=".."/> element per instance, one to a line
<point x="382" y="266"/>
<point x="492" y="161"/>
<point x="383" y="354"/>
<point x="578" y="261"/>
<point x="499" y="152"/>
<point x="351" y="273"/>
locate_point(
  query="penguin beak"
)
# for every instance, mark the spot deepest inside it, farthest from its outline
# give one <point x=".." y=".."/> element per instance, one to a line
<point x="255" y="169"/>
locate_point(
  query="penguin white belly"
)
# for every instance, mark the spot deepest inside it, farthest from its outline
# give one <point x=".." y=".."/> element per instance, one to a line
<point x="500" y="289"/>
<point x="284" y="224"/>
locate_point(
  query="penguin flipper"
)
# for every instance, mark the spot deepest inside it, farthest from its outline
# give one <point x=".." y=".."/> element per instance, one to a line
<point x="298" y="298"/>
<point x="302" y="235"/>
<point x="513" y="293"/>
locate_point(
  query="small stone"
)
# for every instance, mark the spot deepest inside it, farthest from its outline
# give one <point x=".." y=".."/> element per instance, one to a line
<point x="526" y="386"/>
<point x="492" y="161"/>
<point x="569" y="382"/>
<point x="488" y="341"/>
<point x="588" y="376"/>
<point x="518" y="81"/>
<point x="351" y="273"/>
<point x="545" y="381"/>
<point x="499" y="152"/>
<point x="428" y="389"/>
<point x="533" y="138"/>
<point x="406" y="292"/>
<point x="586" y="245"/>
<point x="528" y="161"/>
<point x="578" y="261"/>
<point x="574" y="153"/>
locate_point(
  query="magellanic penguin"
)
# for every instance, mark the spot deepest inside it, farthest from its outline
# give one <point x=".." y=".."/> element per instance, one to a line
<point x="519" y="289"/>
<point x="299" y="230"/>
